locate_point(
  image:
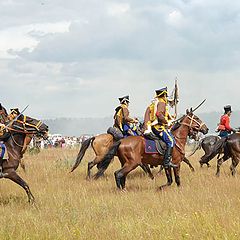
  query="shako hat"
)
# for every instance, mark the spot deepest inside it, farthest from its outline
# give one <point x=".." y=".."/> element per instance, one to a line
<point x="161" y="92"/>
<point x="15" y="110"/>
<point x="228" y="108"/>
<point x="123" y="99"/>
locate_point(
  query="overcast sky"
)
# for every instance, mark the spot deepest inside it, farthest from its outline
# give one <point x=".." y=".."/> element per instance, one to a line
<point x="75" y="58"/>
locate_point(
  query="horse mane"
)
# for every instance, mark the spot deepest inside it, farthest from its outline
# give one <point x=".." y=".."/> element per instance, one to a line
<point x="177" y="124"/>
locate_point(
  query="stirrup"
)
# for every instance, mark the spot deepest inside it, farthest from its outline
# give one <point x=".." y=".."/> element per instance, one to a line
<point x="2" y="175"/>
<point x="169" y="165"/>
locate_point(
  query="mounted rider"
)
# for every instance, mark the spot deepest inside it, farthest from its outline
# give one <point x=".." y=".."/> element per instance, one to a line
<point x="158" y="120"/>
<point x="122" y="120"/>
<point x="224" y="127"/>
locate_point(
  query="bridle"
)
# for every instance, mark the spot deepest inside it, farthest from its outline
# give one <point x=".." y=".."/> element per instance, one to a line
<point x="26" y="124"/>
<point x="192" y="121"/>
<point x="23" y="129"/>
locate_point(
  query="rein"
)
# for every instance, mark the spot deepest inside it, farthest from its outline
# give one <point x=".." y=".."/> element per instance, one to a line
<point x="20" y="131"/>
<point x="21" y="146"/>
<point x="192" y="120"/>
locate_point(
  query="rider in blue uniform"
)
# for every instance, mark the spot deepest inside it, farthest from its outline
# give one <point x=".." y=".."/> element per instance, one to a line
<point x="161" y="122"/>
<point x="122" y="121"/>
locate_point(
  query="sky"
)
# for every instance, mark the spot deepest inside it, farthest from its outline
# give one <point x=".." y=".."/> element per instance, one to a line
<point x="75" y="58"/>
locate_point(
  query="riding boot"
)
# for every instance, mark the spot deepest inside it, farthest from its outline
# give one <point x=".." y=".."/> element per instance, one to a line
<point x="167" y="158"/>
<point x="1" y="168"/>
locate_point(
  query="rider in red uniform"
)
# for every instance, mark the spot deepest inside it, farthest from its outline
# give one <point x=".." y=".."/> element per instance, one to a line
<point x="224" y="127"/>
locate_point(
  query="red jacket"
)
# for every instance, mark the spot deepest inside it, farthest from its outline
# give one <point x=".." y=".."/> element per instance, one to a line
<point x="225" y="123"/>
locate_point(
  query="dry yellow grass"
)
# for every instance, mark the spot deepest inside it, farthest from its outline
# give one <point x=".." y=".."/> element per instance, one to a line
<point x="69" y="207"/>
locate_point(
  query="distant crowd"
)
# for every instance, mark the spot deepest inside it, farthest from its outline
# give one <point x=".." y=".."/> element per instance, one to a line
<point x="58" y="141"/>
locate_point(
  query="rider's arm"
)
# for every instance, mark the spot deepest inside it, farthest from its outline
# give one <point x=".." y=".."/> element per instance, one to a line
<point x="161" y="108"/>
<point x="126" y="116"/>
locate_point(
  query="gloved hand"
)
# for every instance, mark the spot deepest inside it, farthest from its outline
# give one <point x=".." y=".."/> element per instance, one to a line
<point x="170" y="123"/>
<point x="148" y="130"/>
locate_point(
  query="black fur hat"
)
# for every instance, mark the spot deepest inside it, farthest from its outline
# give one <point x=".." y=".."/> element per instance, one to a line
<point x="227" y="108"/>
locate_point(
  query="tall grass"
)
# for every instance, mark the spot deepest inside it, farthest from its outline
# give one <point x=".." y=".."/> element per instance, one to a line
<point x="70" y="207"/>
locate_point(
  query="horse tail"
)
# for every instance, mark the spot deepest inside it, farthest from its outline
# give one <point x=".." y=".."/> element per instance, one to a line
<point x="198" y="147"/>
<point x="82" y="151"/>
<point x="103" y="165"/>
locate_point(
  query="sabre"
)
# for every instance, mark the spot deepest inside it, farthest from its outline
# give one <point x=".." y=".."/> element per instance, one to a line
<point x="199" y="105"/>
<point x="179" y="119"/>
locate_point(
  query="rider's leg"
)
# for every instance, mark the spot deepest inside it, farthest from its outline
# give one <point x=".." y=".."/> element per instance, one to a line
<point x="2" y="153"/>
<point x="169" y="140"/>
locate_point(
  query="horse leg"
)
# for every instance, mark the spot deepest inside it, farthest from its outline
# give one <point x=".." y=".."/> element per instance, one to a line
<point x="177" y="175"/>
<point x="205" y="160"/>
<point x="147" y="170"/>
<point x="188" y="163"/>
<point x="17" y="179"/>
<point x="120" y="175"/>
<point x="168" y="172"/>
<point x="160" y="170"/>
<point x="91" y="164"/>
<point x="219" y="163"/>
<point x="233" y="166"/>
<point x="22" y="164"/>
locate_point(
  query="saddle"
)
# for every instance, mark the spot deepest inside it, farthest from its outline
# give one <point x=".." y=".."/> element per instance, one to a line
<point x="154" y="145"/>
<point x="115" y="132"/>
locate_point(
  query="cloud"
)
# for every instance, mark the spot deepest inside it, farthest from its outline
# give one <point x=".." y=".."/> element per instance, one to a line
<point x="76" y="58"/>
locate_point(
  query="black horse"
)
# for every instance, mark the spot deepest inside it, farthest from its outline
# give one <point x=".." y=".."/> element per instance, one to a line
<point x="230" y="146"/>
<point x="207" y="144"/>
<point x="13" y="139"/>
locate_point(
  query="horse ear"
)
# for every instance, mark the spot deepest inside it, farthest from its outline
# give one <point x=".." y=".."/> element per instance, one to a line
<point x="191" y="110"/>
<point x="187" y="111"/>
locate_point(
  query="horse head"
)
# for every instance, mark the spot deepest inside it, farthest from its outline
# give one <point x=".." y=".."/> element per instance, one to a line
<point x="30" y="125"/>
<point x="195" y="124"/>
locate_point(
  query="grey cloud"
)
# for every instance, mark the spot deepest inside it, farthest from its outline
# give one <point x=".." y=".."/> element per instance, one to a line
<point x="82" y="72"/>
<point x="207" y="41"/>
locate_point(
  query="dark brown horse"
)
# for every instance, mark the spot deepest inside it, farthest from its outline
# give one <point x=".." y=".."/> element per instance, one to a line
<point x="14" y="142"/>
<point x="131" y="151"/>
<point x="207" y="144"/>
<point x="230" y="146"/>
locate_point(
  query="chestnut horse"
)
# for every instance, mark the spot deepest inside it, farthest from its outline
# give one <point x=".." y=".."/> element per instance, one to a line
<point x="14" y="142"/>
<point x="100" y="145"/>
<point x="131" y="151"/>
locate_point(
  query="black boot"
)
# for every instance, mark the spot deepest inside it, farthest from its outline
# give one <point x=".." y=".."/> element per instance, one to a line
<point x="167" y="158"/>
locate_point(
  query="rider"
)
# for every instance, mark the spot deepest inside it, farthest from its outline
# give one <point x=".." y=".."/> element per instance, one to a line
<point x="122" y="121"/>
<point x="13" y="114"/>
<point x="160" y="121"/>
<point x="3" y="119"/>
<point x="224" y="127"/>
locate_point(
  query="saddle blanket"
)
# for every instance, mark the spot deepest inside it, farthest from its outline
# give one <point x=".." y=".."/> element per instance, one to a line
<point x="150" y="146"/>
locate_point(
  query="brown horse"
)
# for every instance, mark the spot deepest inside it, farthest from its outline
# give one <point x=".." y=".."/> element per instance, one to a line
<point x="100" y="145"/>
<point x="14" y="142"/>
<point x="131" y="151"/>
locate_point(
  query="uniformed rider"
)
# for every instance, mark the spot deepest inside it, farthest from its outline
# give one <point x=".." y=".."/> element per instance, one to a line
<point x="122" y="120"/>
<point x="158" y="120"/>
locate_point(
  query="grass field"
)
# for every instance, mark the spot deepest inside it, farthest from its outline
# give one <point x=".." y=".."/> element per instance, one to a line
<point x="69" y="207"/>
